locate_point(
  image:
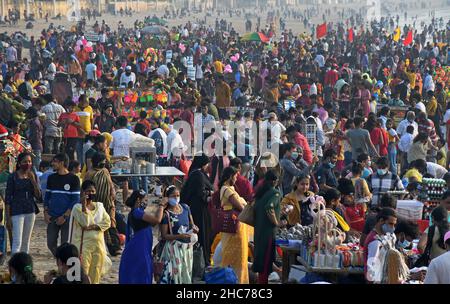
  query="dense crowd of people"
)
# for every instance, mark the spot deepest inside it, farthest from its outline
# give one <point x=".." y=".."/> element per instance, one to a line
<point x="327" y="107"/>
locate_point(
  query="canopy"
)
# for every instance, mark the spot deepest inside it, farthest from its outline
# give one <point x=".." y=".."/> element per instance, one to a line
<point x="156" y="20"/>
<point x="255" y="36"/>
<point x="155" y="30"/>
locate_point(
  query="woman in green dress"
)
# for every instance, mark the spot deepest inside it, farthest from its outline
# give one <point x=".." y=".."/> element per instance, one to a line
<point x="267" y="219"/>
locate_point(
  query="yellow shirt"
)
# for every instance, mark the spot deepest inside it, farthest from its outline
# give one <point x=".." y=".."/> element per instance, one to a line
<point x="86" y="116"/>
<point x="431" y="107"/>
<point x="414" y="173"/>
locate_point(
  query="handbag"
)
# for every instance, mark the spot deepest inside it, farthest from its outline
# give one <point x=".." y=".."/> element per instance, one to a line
<point x="247" y="215"/>
<point x="227" y="220"/>
<point x="184" y="166"/>
<point x="158" y="262"/>
<point x="221" y="275"/>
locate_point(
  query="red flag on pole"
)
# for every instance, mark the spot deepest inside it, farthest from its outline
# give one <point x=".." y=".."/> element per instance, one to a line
<point x="409" y="39"/>
<point x="350" y="35"/>
<point x="321" y="30"/>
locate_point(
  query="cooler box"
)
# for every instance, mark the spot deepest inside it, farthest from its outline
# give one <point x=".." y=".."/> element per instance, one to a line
<point x="410" y="209"/>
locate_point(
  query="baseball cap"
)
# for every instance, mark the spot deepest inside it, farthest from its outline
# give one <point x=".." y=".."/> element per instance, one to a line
<point x="128" y="68"/>
<point x="446" y="236"/>
<point x="94" y="133"/>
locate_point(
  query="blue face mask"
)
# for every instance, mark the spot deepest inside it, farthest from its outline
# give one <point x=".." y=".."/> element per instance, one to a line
<point x="404" y="244"/>
<point x="294" y="155"/>
<point x="387" y="229"/>
<point x="381" y="172"/>
<point x="332" y="165"/>
<point x="173" y="201"/>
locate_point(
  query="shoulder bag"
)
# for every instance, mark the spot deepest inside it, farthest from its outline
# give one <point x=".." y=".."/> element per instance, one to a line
<point x="247" y="215"/>
<point x="227" y="220"/>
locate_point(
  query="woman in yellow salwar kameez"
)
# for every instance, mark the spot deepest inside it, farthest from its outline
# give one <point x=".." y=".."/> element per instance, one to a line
<point x="88" y="221"/>
<point x="234" y="245"/>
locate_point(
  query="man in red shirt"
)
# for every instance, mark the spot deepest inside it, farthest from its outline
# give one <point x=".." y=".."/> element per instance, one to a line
<point x="243" y="186"/>
<point x="70" y="123"/>
<point x="300" y="140"/>
<point x="332" y="76"/>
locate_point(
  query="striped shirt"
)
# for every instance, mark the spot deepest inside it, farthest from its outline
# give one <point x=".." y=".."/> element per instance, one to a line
<point x="379" y="185"/>
<point x="63" y="192"/>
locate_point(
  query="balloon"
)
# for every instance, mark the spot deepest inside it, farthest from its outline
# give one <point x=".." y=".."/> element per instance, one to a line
<point x="84" y="42"/>
<point x="228" y="69"/>
<point x="237" y="56"/>
<point x="233" y="58"/>
<point x="79" y="42"/>
<point x="182" y="47"/>
<point x="89" y="44"/>
<point x="77" y="48"/>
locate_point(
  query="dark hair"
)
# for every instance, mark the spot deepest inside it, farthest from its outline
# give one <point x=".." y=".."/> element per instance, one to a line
<point x="21" y="157"/>
<point x="199" y="161"/>
<point x="440" y="220"/>
<point x="227" y="173"/>
<point x="73" y="164"/>
<point x="388" y="201"/>
<point x="22" y="263"/>
<point x="357" y="168"/>
<point x="87" y="184"/>
<point x="97" y="158"/>
<point x="330" y="195"/>
<point x="383" y="162"/>
<point x="99" y="139"/>
<point x="421" y="137"/>
<point x="44" y="164"/>
<point x="269" y="178"/>
<point x="409" y="228"/>
<point x="286" y="147"/>
<point x="385" y="213"/>
<point x="169" y="190"/>
<point x="142" y="115"/>
<point x="329" y="153"/>
<point x="66" y="251"/>
<point x="421" y="165"/>
<point x="358" y="121"/>
<point x="62" y="157"/>
<point x="140" y="129"/>
<point x="122" y="121"/>
<point x="235" y="162"/>
<point x="131" y="200"/>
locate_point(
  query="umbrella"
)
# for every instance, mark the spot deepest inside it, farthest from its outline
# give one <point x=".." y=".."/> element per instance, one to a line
<point x="255" y="36"/>
<point x="156" y="20"/>
<point x="155" y="30"/>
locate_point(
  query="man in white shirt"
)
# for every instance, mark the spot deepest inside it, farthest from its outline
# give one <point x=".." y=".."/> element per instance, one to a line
<point x="409" y="121"/>
<point x="51" y="71"/>
<point x="163" y="71"/>
<point x="175" y="145"/>
<point x="122" y="138"/>
<point x="320" y="60"/>
<point x="438" y="271"/>
<point x="127" y="77"/>
<point x="436" y="170"/>
<point x="276" y="128"/>
<point x="91" y="71"/>
<point x="428" y="84"/>
<point x="421" y="106"/>
<point x="11" y="55"/>
<point x="53" y="133"/>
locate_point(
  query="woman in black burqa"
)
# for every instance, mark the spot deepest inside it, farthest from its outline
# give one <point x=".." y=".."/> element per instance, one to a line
<point x="195" y="193"/>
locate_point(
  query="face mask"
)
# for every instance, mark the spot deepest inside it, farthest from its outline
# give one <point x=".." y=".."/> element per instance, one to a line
<point x="25" y="167"/>
<point x="332" y="165"/>
<point x="173" y="201"/>
<point x="387" y="229"/>
<point x="91" y="197"/>
<point x="404" y="244"/>
<point x="381" y="172"/>
<point x="369" y="163"/>
<point x="294" y="155"/>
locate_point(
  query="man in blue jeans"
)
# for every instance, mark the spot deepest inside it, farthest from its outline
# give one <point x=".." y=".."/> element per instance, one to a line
<point x="63" y="192"/>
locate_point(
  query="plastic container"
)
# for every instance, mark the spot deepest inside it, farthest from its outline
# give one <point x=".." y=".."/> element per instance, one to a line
<point x="410" y="209"/>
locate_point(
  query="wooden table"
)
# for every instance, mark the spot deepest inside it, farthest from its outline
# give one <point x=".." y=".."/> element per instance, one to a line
<point x="289" y="258"/>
